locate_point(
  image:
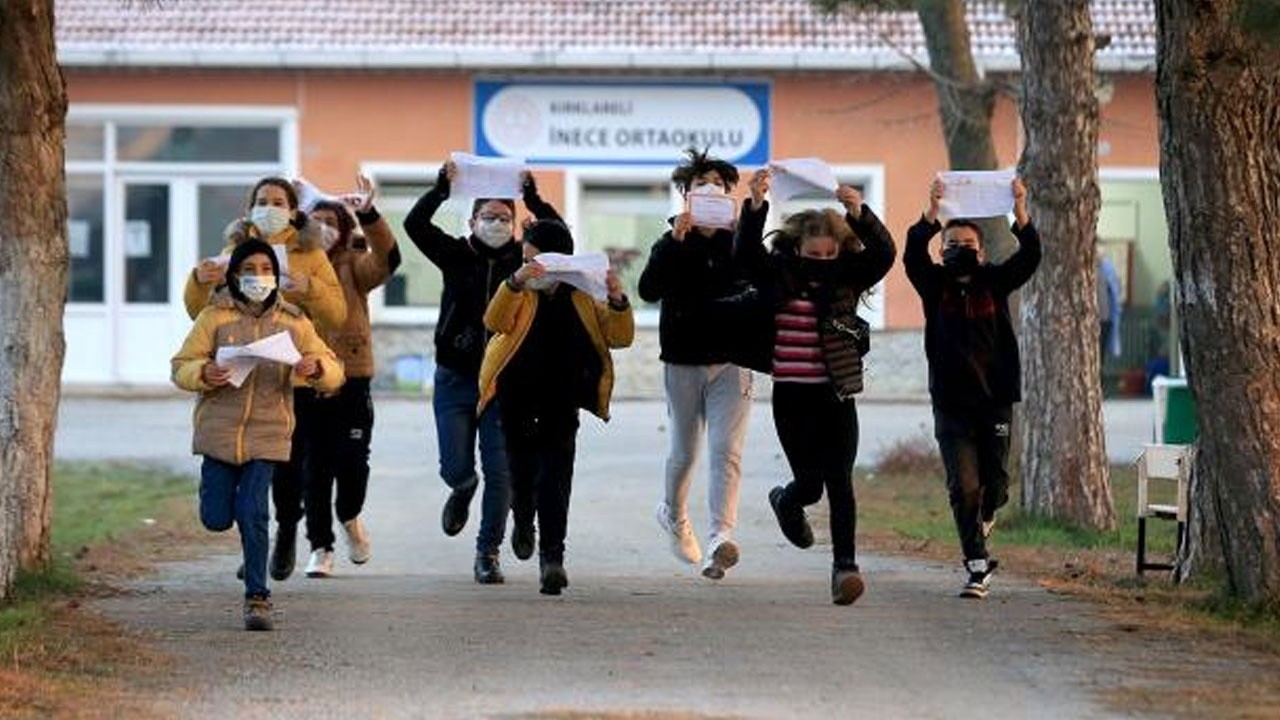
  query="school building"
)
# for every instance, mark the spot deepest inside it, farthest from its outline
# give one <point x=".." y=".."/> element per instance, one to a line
<point x="177" y="108"/>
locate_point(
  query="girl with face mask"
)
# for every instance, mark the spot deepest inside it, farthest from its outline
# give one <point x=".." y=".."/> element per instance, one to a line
<point x="273" y="216"/>
<point x="340" y="429"/>
<point x="473" y="267"/>
<point x="821" y="266"/>
<point x="244" y="432"/>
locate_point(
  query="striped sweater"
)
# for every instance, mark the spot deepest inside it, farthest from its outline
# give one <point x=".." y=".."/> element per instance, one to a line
<point x="797" y="348"/>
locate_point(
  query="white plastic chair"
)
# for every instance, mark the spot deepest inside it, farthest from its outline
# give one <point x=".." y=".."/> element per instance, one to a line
<point x="1162" y="462"/>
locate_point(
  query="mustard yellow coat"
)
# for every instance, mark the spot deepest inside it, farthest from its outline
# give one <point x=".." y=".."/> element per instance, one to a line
<point x="510" y="315"/>
<point x="324" y="301"/>
<point x="254" y="421"/>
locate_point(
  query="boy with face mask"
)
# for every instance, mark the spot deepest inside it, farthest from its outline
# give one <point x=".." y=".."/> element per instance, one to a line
<point x="974" y="368"/>
<point x="244" y="432"/>
<point x="691" y="272"/>
<point x="473" y="268"/>
<point x="548" y="358"/>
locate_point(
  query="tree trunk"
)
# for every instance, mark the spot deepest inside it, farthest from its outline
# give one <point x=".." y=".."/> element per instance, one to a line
<point x="33" y="278"/>
<point x="1219" y="108"/>
<point x="1064" y="462"/>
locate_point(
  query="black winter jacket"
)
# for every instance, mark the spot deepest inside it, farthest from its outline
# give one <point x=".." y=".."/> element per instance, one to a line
<point x="968" y="333"/>
<point x="691" y="278"/>
<point x="472" y="272"/>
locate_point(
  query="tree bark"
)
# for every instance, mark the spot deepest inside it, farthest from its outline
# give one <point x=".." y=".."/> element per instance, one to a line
<point x="33" y="278"/>
<point x="1219" y="108"/>
<point x="1064" y="462"/>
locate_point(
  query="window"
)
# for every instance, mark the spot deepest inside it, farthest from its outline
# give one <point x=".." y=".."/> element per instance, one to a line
<point x="85" y="142"/>
<point x="622" y="215"/>
<point x="417" y="283"/>
<point x="146" y="243"/>
<point x="197" y="143"/>
<point x="218" y="205"/>
<point x="84" y="237"/>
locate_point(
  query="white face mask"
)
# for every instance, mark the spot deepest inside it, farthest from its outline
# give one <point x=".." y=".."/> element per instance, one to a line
<point x="269" y="218"/>
<point x="494" y="233"/>
<point x="328" y="237"/>
<point x="257" y="287"/>
<point x="708" y="189"/>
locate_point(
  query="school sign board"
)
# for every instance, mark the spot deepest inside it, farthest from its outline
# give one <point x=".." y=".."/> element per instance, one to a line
<point x="621" y="122"/>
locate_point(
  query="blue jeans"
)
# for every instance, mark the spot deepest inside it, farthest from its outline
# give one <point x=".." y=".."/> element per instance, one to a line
<point x="455" y="399"/>
<point x="238" y="493"/>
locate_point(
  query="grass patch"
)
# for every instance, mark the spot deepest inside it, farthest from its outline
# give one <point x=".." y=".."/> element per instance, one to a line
<point x="110" y="520"/>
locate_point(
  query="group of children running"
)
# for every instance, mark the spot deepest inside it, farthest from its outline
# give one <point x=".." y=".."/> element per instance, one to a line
<point x="518" y="354"/>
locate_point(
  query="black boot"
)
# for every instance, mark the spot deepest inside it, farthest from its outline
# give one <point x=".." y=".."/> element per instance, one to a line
<point x="791" y="518"/>
<point x="457" y="508"/>
<point x="553" y="576"/>
<point x="522" y="540"/>
<point x="488" y="571"/>
<point x="285" y="552"/>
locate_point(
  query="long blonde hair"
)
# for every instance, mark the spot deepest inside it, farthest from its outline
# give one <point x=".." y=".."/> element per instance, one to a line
<point x="814" y="223"/>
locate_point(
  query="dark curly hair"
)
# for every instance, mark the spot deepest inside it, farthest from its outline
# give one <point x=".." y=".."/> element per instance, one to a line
<point x="698" y="164"/>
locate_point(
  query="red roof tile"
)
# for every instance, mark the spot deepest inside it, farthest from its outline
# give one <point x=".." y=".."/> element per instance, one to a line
<point x="541" y="33"/>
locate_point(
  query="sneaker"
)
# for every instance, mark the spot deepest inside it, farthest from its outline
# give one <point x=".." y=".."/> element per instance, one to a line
<point x="240" y="572"/>
<point x="456" y="510"/>
<point x="683" y="544"/>
<point x="791" y="519"/>
<point x="979" y="583"/>
<point x="257" y="613"/>
<point x="722" y="554"/>
<point x="552" y="576"/>
<point x="522" y="540"/>
<point x="846" y="585"/>
<point x="320" y="564"/>
<point x="285" y="555"/>
<point x="487" y="570"/>
<point x="358" y="541"/>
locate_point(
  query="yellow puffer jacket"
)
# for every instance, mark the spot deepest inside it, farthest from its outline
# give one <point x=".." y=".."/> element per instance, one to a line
<point x="254" y="421"/>
<point x="323" y="300"/>
<point x="510" y="315"/>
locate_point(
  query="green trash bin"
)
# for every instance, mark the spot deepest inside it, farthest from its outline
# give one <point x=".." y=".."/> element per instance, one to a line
<point x="1179" y="416"/>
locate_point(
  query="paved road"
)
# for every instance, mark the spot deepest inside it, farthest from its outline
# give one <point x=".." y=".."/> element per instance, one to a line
<point x="635" y="635"/>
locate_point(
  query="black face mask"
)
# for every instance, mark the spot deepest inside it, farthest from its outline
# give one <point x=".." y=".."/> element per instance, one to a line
<point x="960" y="260"/>
<point x="821" y="272"/>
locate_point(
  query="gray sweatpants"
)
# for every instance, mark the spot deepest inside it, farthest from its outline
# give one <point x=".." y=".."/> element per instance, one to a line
<point x="717" y="397"/>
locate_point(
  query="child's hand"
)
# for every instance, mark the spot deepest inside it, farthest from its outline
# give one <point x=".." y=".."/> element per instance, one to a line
<point x="301" y="282"/>
<point x="214" y="375"/>
<point x="617" y="294"/>
<point x="758" y="186"/>
<point x="851" y="199"/>
<point x="209" y="272"/>
<point x="684" y="223"/>
<point x="308" y="367"/>
<point x="528" y="271"/>
<point x="935" y="200"/>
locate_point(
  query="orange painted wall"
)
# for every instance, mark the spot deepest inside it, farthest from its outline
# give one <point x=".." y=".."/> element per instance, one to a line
<point x="887" y="119"/>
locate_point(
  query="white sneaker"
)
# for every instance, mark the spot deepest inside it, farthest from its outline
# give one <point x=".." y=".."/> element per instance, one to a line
<point x="358" y="541"/>
<point x="683" y="544"/>
<point x="722" y="554"/>
<point x="320" y="565"/>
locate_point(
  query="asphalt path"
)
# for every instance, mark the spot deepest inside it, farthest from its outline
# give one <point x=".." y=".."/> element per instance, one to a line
<point x="636" y="635"/>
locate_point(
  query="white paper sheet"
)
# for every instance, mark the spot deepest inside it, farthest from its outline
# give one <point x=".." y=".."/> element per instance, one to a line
<point x="481" y="177"/>
<point x="976" y="193"/>
<point x="795" y="177"/>
<point x="712" y="211"/>
<point x="587" y="271"/>
<point x="241" y="359"/>
<point x="78" y="235"/>
<point x="309" y="195"/>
